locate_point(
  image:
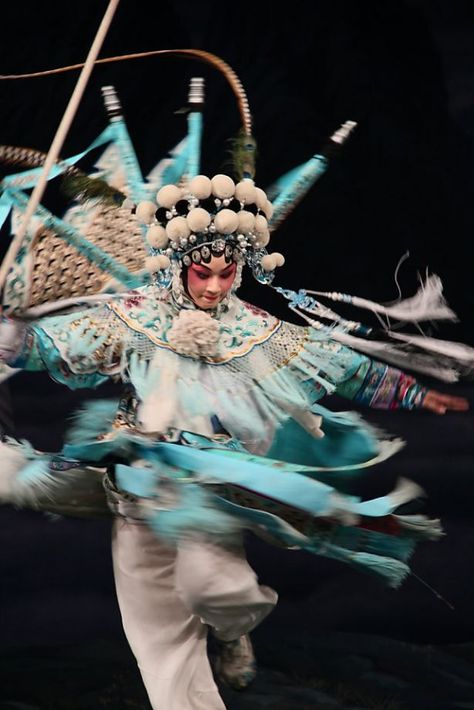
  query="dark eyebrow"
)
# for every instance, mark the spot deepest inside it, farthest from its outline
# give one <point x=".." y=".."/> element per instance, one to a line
<point x="201" y="266"/>
<point x="223" y="271"/>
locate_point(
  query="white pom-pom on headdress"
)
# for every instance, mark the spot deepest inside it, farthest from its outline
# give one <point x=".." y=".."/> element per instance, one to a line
<point x="200" y="186"/>
<point x="245" y="192"/>
<point x="261" y="198"/>
<point x="271" y="261"/>
<point x="223" y="186"/>
<point x="246" y="221"/>
<point x="261" y="224"/>
<point x="198" y="219"/>
<point x="262" y="238"/>
<point x="145" y="211"/>
<point x="168" y="196"/>
<point x="261" y="230"/>
<point x="279" y="258"/>
<point x="157" y="263"/>
<point x="226" y="222"/>
<point x="178" y="228"/>
<point x="156" y="237"/>
<point x="268" y="262"/>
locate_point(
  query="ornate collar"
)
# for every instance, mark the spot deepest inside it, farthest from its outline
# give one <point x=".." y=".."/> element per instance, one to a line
<point x="235" y="332"/>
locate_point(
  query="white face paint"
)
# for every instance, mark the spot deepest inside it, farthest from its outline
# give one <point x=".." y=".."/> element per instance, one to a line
<point x="208" y="284"/>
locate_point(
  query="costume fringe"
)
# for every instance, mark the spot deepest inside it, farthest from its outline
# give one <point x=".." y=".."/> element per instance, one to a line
<point x="421" y="526"/>
<point x="25" y="479"/>
<point x="405" y="490"/>
<point x="192" y="512"/>
<point x="392" y="571"/>
<point x="154" y="383"/>
<point x="441" y="366"/>
<point x="91" y="420"/>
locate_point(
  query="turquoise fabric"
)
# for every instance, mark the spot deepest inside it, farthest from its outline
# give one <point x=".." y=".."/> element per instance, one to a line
<point x="44" y="354"/>
<point x="195" y="508"/>
<point x="262" y="393"/>
<point x="347" y="443"/>
<point x="261" y="475"/>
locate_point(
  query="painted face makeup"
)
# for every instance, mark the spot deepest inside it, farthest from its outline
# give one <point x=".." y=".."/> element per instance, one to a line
<point x="209" y="283"/>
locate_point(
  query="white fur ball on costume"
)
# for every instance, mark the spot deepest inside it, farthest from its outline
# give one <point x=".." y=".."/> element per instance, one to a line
<point x="223" y="186"/>
<point x="200" y="186"/>
<point x="195" y="334"/>
<point x="246" y="221"/>
<point x="268" y="262"/>
<point x="178" y="228"/>
<point x="245" y="192"/>
<point x="146" y="211"/>
<point x="226" y="222"/>
<point x="261" y="198"/>
<point x="156" y="236"/>
<point x="157" y="263"/>
<point x="198" y="219"/>
<point x="168" y="196"/>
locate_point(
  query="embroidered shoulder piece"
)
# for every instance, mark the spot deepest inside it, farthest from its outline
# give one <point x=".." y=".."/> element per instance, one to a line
<point x="241" y="328"/>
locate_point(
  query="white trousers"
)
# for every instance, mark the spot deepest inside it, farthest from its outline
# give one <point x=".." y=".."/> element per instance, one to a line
<point x="169" y="596"/>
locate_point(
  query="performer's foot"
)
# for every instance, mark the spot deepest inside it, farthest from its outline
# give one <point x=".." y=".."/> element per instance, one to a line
<point x="235" y="663"/>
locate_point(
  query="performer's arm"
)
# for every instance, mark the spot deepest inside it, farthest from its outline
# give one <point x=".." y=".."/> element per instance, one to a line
<point x="81" y="349"/>
<point x="380" y="386"/>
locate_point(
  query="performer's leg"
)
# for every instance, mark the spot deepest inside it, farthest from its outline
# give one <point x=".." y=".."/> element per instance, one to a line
<point x="217" y="584"/>
<point x="169" y="643"/>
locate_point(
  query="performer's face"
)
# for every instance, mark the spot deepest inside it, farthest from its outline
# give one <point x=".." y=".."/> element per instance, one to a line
<point x="209" y="283"/>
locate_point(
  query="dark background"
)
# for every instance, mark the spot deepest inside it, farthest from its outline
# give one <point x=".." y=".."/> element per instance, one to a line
<point x="403" y="70"/>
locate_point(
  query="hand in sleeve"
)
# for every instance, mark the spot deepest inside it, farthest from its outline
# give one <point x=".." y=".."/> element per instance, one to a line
<point x="440" y="403"/>
<point x="78" y="349"/>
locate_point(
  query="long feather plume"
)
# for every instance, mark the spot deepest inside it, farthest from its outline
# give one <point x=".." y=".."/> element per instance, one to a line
<point x="83" y="188"/>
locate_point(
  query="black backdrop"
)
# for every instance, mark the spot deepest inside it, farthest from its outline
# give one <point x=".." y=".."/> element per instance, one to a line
<point x="403" y="183"/>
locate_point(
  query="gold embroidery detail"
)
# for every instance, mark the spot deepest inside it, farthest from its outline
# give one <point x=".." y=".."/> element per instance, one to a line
<point x="245" y="348"/>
